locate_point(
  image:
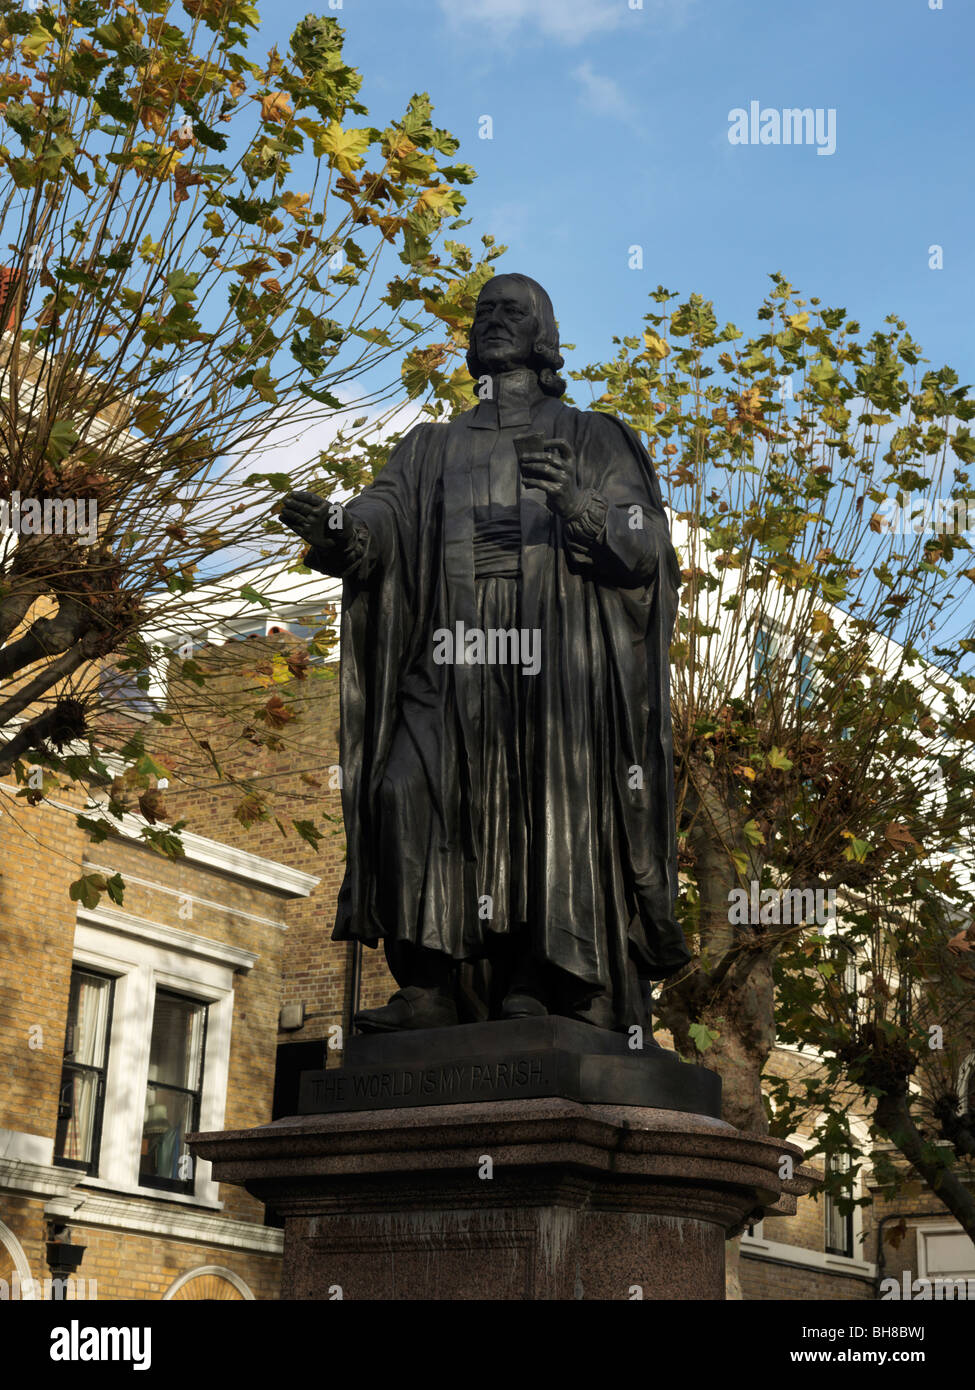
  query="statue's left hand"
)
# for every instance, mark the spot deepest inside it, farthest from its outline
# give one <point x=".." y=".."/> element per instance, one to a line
<point x="554" y="473"/>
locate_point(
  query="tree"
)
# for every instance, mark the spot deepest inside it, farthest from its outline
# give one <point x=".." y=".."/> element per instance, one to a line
<point x="196" y="250"/>
<point x="823" y="705"/>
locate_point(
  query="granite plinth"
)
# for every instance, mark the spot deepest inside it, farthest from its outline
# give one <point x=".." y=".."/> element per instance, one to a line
<point x="525" y="1199"/>
<point x="526" y="1058"/>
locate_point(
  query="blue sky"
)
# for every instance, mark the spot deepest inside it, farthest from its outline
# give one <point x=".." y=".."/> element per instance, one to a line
<point x="610" y="129"/>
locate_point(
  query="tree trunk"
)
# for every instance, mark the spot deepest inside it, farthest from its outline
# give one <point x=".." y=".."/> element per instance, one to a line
<point x="894" y="1118"/>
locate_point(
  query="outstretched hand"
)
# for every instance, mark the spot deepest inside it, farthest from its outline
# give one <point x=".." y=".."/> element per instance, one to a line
<point x="308" y="514"/>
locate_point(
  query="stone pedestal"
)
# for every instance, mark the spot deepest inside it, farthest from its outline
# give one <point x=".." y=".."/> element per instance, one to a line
<point x="537" y="1198"/>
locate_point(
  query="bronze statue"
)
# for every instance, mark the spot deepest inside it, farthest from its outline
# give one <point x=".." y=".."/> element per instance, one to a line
<point x="510" y="590"/>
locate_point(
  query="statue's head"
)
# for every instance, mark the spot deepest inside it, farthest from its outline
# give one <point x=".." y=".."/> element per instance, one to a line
<point x="514" y="326"/>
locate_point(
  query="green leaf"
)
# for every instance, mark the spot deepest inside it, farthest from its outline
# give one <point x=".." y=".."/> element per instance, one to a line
<point x="752" y="833"/>
<point x="309" y="832"/>
<point x="702" y="1036"/>
<point x="264" y="385"/>
<point x="249" y="593"/>
<point x="323" y="397"/>
<point x="88" y="889"/>
<point x="62" y="439"/>
<point x="99" y="830"/>
<point x="181" y="284"/>
<point x="147" y="766"/>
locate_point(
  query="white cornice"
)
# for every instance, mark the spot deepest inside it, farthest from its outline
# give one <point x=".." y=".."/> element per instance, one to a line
<point x="171" y="938"/>
<point x="198" y="849"/>
<point x="19" y="1175"/>
<point x="182" y="894"/>
<point x="776" y="1251"/>
<point x="282" y="878"/>
<point x="86" y="1208"/>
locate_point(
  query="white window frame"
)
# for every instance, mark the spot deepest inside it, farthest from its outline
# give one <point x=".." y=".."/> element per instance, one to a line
<point x="145" y="956"/>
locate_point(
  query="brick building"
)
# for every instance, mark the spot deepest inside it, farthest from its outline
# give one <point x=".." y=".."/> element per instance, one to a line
<point x="122" y="1028"/>
<point x="241" y="928"/>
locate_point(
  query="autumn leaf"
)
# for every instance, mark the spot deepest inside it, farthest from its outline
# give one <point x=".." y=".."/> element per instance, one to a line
<point x="276" y="713"/>
<point x="298" y="662"/>
<point x="439" y="198"/>
<point x="275" y="107"/>
<point x="345" y="147"/>
<point x="155" y="162"/>
<point x="250" y="809"/>
<point x="655" y="346"/>
<point x="894" y="1235"/>
<point x="295" y="204"/>
<point x="899" y="837"/>
<point x="400" y="148"/>
<point x="152" y="805"/>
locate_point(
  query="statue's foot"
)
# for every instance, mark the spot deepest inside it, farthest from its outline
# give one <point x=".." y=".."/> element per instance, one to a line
<point x="598" y="1012"/>
<point x="521" y="1005"/>
<point x="411" y="1007"/>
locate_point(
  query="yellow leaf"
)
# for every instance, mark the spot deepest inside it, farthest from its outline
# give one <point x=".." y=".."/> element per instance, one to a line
<point x="155" y="161"/>
<point x="438" y="198"/>
<point x="654" y="345"/>
<point x="800" y="322"/>
<point x="295" y="203"/>
<point x="346" y="147"/>
<point x="402" y="147"/>
<point x="36" y="41"/>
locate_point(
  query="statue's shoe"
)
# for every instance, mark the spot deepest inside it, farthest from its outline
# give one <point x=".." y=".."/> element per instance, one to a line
<point x="411" y="1007"/>
<point x="520" y="1005"/>
<point x="598" y="1012"/>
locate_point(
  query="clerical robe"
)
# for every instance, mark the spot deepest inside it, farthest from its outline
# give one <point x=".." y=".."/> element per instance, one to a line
<point x="477" y="800"/>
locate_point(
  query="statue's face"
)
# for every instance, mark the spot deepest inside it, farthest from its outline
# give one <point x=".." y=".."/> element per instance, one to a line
<point x="504" y="331"/>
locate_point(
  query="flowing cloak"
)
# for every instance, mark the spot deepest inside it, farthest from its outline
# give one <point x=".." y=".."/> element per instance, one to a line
<point x="599" y="780"/>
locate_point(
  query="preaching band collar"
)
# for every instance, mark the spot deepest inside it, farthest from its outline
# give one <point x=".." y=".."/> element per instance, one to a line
<point x="513" y="394"/>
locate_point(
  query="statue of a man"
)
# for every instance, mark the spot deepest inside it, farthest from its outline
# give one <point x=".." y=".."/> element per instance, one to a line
<point x="510" y="591"/>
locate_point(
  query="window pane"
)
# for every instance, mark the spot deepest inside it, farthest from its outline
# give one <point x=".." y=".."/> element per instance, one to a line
<point x="76" y="1115"/>
<point x="175" y="1061"/>
<point x="86" y="1039"/>
<point x="169" y="1117"/>
<point x="176" y="1049"/>
<point x="839" y="1228"/>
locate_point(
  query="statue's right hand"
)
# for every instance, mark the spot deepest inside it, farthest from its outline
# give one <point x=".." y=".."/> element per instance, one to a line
<point x="308" y="515"/>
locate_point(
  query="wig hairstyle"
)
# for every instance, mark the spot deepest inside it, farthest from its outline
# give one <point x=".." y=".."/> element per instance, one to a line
<point x="546" y="358"/>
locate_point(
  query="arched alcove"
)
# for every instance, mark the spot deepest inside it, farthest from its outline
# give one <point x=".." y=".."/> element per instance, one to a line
<point x="209" y="1283"/>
